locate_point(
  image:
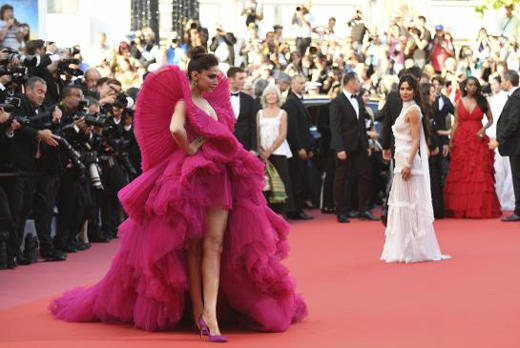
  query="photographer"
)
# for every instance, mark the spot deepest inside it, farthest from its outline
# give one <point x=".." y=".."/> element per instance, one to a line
<point x="9" y="214"/>
<point x="91" y="78"/>
<point x="108" y="89"/>
<point x="74" y="197"/>
<point x="253" y="11"/>
<point x="223" y="45"/>
<point x="11" y="34"/>
<point x="420" y="39"/>
<point x="34" y="153"/>
<point x="303" y="19"/>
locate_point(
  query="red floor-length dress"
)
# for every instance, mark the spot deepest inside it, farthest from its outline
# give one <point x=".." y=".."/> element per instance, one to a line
<point x="469" y="191"/>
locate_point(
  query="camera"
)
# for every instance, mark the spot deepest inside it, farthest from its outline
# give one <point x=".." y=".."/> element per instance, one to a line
<point x="123" y="101"/>
<point x="96" y="120"/>
<point x="26" y="60"/>
<point x="94" y="170"/>
<point x="313" y="50"/>
<point x="72" y="154"/>
<point x="194" y="25"/>
<point x="298" y="8"/>
<point x="19" y="74"/>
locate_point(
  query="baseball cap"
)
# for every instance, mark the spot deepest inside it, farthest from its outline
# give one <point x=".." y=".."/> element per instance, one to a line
<point x="439" y="27"/>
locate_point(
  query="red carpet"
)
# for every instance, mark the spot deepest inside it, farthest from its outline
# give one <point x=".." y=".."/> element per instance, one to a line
<point x="355" y="300"/>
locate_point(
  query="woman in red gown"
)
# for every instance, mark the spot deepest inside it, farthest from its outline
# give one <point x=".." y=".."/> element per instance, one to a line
<point x="469" y="191"/>
<point x="198" y="221"/>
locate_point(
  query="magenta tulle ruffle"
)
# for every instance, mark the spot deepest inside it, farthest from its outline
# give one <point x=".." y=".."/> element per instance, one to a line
<point x="147" y="282"/>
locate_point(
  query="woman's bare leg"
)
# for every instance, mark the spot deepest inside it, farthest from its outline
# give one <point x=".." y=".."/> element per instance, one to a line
<point x="216" y="221"/>
<point x="194" y="259"/>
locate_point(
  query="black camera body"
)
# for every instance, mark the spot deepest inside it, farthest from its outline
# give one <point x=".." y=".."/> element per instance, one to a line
<point x="26" y="60"/>
<point x="96" y="120"/>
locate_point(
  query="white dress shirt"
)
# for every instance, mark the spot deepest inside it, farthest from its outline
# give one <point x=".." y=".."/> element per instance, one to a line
<point x="353" y="102"/>
<point x="235" y="104"/>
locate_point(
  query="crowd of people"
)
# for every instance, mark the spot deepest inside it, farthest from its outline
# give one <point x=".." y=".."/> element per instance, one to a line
<point x="66" y="119"/>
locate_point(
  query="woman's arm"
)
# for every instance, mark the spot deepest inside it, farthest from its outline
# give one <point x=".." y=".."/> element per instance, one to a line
<point x="281" y="136"/>
<point x="414" y="119"/>
<point x="454" y="125"/>
<point x="259" y="149"/>
<point x="179" y="132"/>
<point x="482" y="131"/>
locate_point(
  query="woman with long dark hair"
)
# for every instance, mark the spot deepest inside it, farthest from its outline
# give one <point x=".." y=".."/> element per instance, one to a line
<point x="410" y="236"/>
<point x="435" y="159"/>
<point x="469" y="191"/>
<point x="198" y="221"/>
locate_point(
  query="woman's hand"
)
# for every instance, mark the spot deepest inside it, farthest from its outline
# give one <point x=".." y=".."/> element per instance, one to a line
<point x="406" y="172"/>
<point x="195" y="146"/>
<point x="265" y="154"/>
<point x="481" y="134"/>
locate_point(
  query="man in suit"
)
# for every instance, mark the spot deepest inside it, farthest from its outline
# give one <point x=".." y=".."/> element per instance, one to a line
<point x="34" y="152"/>
<point x="349" y="140"/>
<point x="299" y="139"/>
<point x="442" y="108"/>
<point x="508" y="135"/>
<point x="243" y="108"/>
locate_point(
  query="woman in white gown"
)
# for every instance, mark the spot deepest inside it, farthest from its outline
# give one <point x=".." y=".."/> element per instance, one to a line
<point x="410" y="236"/>
<point x="503" y="179"/>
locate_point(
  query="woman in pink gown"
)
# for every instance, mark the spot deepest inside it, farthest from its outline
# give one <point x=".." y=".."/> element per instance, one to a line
<point x="198" y="221"/>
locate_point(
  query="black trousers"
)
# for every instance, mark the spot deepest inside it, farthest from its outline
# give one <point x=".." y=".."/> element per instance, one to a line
<point x="302" y="43"/>
<point x="436" y="167"/>
<point x="282" y="167"/>
<point x="24" y="189"/>
<point x="6" y="222"/>
<point x="47" y="187"/>
<point x="297" y="174"/>
<point x="68" y="197"/>
<point x="329" y="166"/>
<point x="515" y="169"/>
<point x="114" y="180"/>
<point x="356" y="164"/>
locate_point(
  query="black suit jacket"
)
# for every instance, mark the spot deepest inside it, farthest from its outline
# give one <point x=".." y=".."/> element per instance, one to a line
<point x="390" y="113"/>
<point x="508" y="127"/>
<point x="439" y="117"/>
<point x="54" y="85"/>
<point x="245" y="127"/>
<point x="298" y="132"/>
<point x="348" y="132"/>
<point x="323" y="125"/>
<point x="25" y="142"/>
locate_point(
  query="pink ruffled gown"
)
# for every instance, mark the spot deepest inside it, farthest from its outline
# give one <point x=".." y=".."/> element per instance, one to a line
<point x="147" y="283"/>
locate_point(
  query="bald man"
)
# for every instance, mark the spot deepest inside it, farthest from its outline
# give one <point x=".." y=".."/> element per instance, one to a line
<point x="299" y="139"/>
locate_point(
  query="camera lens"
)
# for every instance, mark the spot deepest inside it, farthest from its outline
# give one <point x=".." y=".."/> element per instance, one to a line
<point x="298" y="8"/>
<point x="193" y="26"/>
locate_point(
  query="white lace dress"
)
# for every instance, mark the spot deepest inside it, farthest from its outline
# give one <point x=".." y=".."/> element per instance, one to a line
<point x="410" y="236"/>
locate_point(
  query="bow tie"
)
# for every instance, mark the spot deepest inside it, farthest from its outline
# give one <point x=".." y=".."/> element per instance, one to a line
<point x="235" y="94"/>
<point x="353" y="96"/>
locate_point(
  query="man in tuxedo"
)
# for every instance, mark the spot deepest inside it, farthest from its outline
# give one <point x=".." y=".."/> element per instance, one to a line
<point x="442" y="108"/>
<point x="349" y="140"/>
<point x="508" y="135"/>
<point x="243" y="108"/>
<point x="299" y="139"/>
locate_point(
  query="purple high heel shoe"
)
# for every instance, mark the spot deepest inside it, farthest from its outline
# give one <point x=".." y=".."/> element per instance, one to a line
<point x="204" y="331"/>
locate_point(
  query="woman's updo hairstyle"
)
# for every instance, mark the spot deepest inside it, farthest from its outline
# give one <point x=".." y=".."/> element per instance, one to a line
<point x="200" y="60"/>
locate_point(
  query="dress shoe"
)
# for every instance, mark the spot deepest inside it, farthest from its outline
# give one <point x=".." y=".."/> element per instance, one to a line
<point x="353" y="214"/>
<point x="343" y="218"/>
<point x="367" y="215"/>
<point x="53" y="254"/>
<point x="78" y="245"/>
<point x="327" y="210"/>
<point x="511" y="218"/>
<point x="299" y="216"/>
<point x="384" y="216"/>
<point x="66" y="248"/>
<point x="99" y="237"/>
<point x="30" y="251"/>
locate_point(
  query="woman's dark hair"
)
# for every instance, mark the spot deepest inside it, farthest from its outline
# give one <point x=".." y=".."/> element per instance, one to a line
<point x="200" y="60"/>
<point x="479" y="96"/>
<point x="425" y="95"/>
<point x="414" y="84"/>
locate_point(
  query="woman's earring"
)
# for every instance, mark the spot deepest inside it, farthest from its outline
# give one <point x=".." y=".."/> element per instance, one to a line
<point x="194" y="82"/>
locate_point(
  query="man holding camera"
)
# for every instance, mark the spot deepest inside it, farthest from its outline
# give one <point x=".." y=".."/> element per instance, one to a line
<point x="73" y="198"/>
<point x="303" y="20"/>
<point x="35" y="155"/>
<point x="9" y="243"/>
